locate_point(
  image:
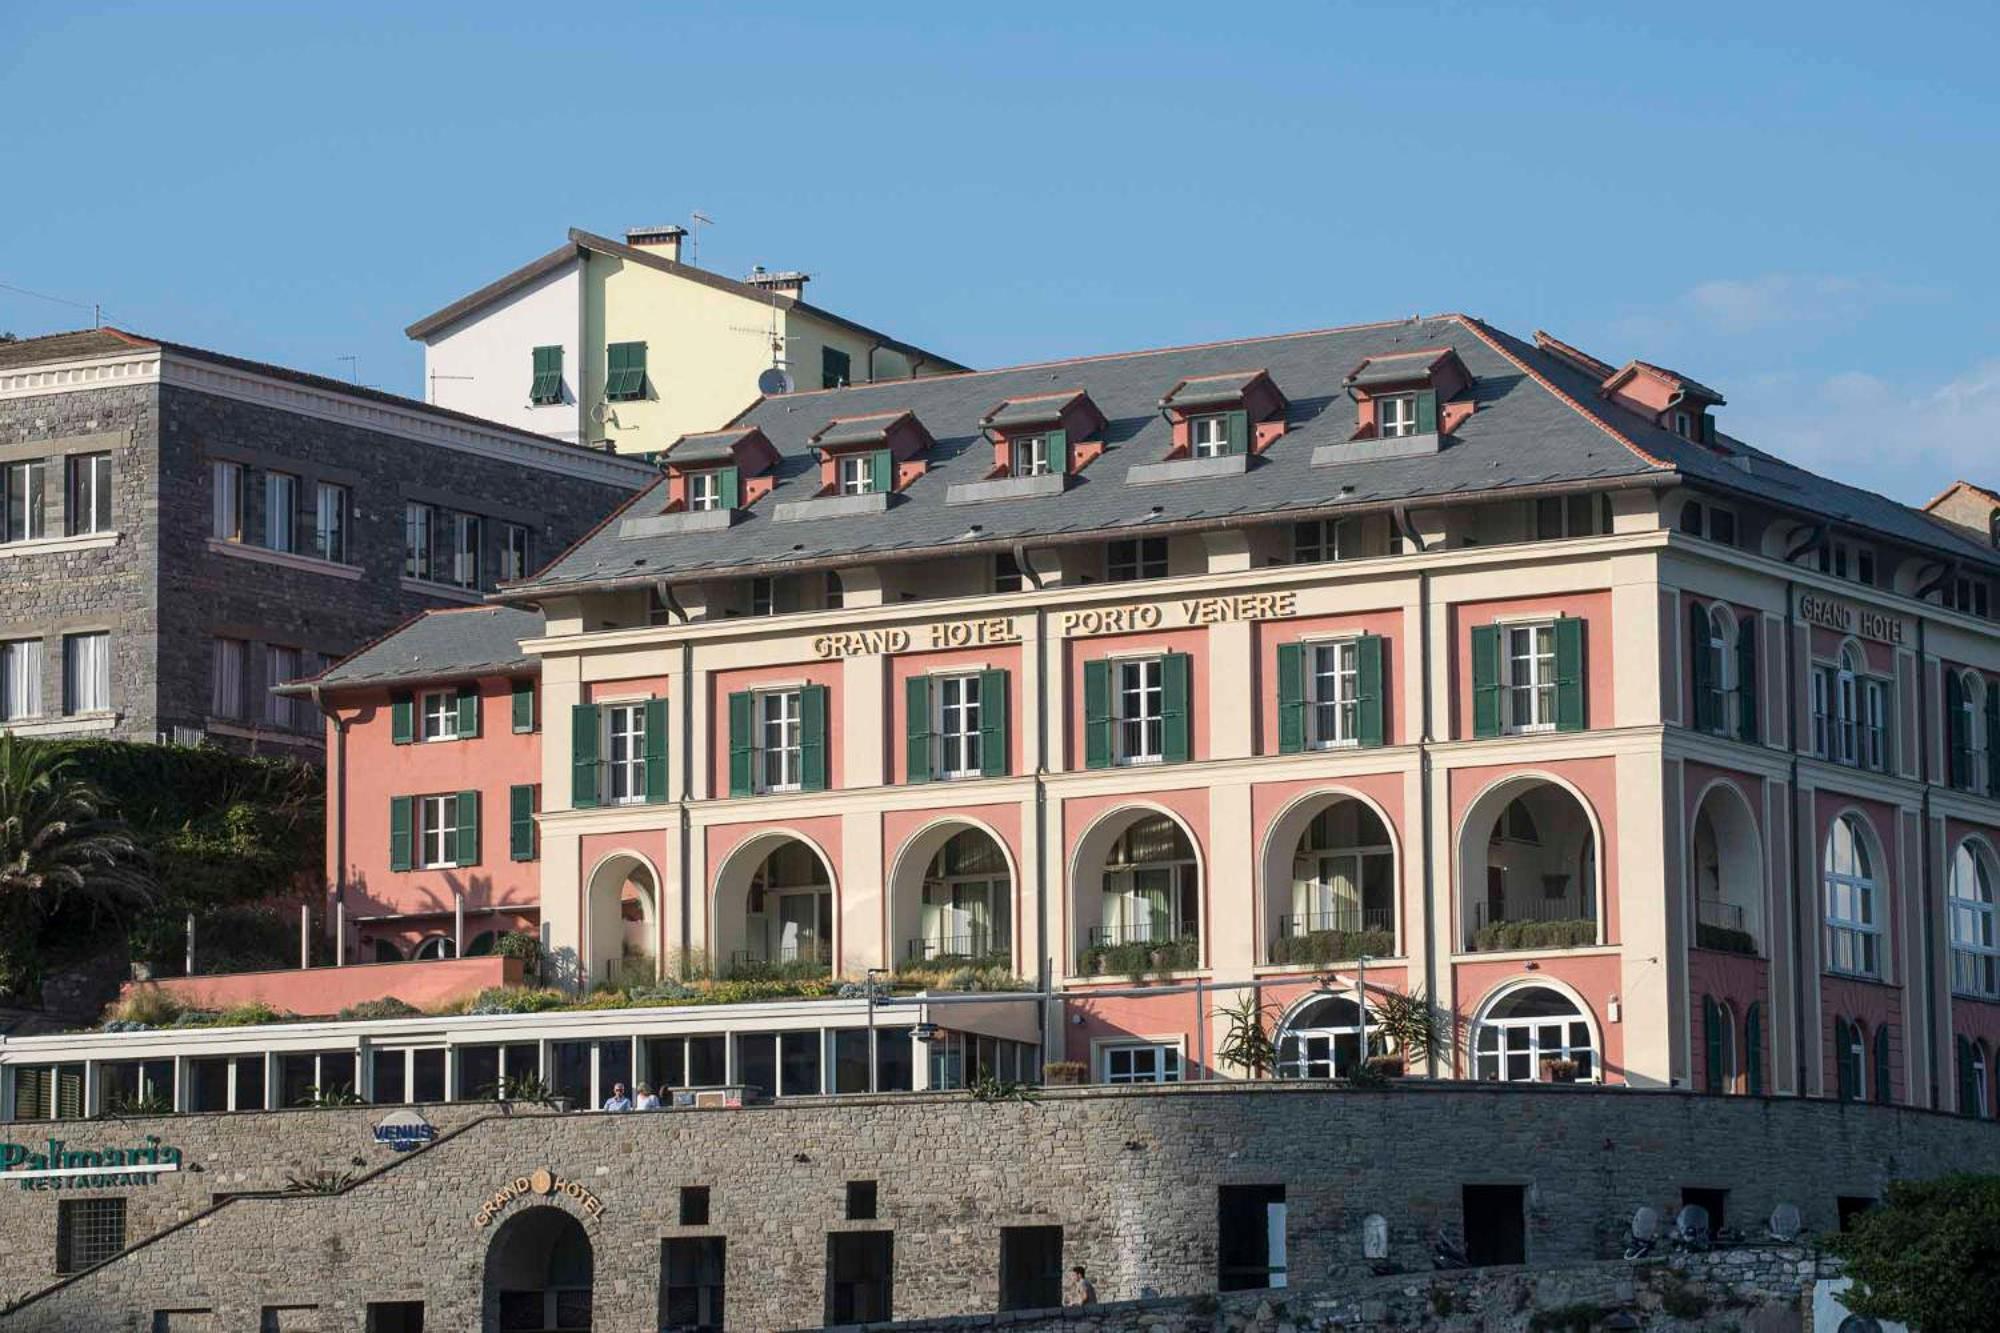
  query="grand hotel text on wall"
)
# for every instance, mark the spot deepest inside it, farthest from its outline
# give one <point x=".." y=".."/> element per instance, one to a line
<point x="1183" y="612"/>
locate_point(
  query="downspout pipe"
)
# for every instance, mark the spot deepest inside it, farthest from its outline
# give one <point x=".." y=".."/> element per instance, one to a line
<point x="339" y="849"/>
<point x="687" y="795"/>
<point x="1926" y="872"/>
<point x="1425" y="739"/>
<point x="1800" y="820"/>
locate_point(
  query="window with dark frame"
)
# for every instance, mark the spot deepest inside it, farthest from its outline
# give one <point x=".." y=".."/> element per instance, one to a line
<point x="694" y="1205"/>
<point x="88" y="1232"/>
<point x="1135" y="558"/>
<point x="861" y="1201"/>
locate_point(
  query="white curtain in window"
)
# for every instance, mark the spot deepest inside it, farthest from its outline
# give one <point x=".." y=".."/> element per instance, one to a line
<point x="228" y="501"/>
<point x="283" y="665"/>
<point x="21" y="679"/>
<point x="226" y="679"/>
<point x="87" y="672"/>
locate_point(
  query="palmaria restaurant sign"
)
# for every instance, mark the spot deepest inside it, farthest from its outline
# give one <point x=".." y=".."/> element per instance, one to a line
<point x="54" y="1165"/>
<point x="1831" y="613"/>
<point x="540" y="1181"/>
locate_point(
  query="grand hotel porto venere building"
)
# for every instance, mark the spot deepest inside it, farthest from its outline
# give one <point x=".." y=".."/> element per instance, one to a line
<point x="1411" y="656"/>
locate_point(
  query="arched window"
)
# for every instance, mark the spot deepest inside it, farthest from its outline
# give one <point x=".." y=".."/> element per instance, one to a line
<point x="1975" y="925"/>
<point x="1532" y="1034"/>
<point x="1965" y="724"/>
<point x="1850" y="1061"/>
<point x="387" y="952"/>
<point x="963" y="914"/>
<point x="1853" y="909"/>
<point x="1343" y="884"/>
<point x="1150" y="886"/>
<point x="1712" y="635"/>
<point x="435" y="947"/>
<point x="1719" y="1047"/>
<point x="1323" y="1039"/>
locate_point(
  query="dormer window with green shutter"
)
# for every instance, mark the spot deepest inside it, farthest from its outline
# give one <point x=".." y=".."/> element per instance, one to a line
<point x="713" y="489"/>
<point x="870" y="473"/>
<point x="1218" y="435"/>
<point x="1400" y="415"/>
<point x="546" y="388"/>
<point x="625" y="372"/>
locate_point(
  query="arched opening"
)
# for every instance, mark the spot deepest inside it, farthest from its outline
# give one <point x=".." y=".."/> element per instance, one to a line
<point x="1332" y="897"/>
<point x="482" y="944"/>
<point x="387" y="952"/>
<point x="1965" y="730"/>
<point x="1853" y="900"/>
<point x="1138" y="886"/>
<point x="1529" y="858"/>
<point x="1720" y="1046"/>
<point x="1325" y="1037"/>
<point x="539" y="1273"/>
<point x="621" y="922"/>
<point x="1533" y="1034"/>
<point x="435" y="947"/>
<point x="1975" y="922"/>
<point x="953" y="896"/>
<point x="1727" y="866"/>
<point x="774" y="910"/>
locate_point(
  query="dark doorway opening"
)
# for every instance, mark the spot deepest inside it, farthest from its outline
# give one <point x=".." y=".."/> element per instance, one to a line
<point x="1711" y="1201"/>
<point x="860" y="1276"/>
<point x="1250" y="1237"/>
<point x="691" y="1281"/>
<point x="1496" y="1224"/>
<point x="1030" y="1268"/>
<point x="861" y="1201"/>
<point x="1851" y="1206"/>
<point x="539" y="1274"/>
<point x="395" y="1317"/>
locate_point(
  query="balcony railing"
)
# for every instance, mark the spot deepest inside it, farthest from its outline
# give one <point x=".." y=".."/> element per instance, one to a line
<point x="1720" y="925"/>
<point x="1342" y="918"/>
<point x="633" y="971"/>
<point x="1539" y="923"/>
<point x="1335" y="936"/>
<point x="1975" y="973"/>
<point x="1132" y="949"/>
<point x="971" y="946"/>
<point x="807" y="958"/>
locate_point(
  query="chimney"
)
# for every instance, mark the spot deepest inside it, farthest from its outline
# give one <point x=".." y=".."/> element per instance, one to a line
<point x="662" y="241"/>
<point x="787" y="282"/>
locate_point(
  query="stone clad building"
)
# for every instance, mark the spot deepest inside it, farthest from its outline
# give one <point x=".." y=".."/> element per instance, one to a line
<point x="180" y="530"/>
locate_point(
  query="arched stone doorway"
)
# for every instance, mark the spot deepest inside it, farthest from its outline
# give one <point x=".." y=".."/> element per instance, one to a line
<point x="775" y="910"/>
<point x="1329" y="882"/>
<point x="1528" y="859"/>
<point x="540" y="1271"/>
<point x="621" y="927"/>
<point x="1136" y="887"/>
<point x="1727" y="869"/>
<point x="952" y="899"/>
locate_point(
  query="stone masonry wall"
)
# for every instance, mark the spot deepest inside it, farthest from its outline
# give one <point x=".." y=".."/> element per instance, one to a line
<point x="1130" y="1175"/>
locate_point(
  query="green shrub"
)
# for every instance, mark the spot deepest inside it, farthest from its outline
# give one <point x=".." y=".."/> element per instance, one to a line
<point x="517" y="1000"/>
<point x="797" y="970"/>
<point x="1578" y="1318"/>
<point x="1503" y="936"/>
<point x="1333" y="946"/>
<point x="1928" y="1255"/>
<point x="519" y="944"/>
<point x="1136" y="960"/>
<point x="252" y="1013"/>
<point x="386" y="1007"/>
<point x="145" y="1005"/>
<point x="1724" y="938"/>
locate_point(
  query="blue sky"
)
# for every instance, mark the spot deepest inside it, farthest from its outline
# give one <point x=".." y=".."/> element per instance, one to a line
<point x="1795" y="204"/>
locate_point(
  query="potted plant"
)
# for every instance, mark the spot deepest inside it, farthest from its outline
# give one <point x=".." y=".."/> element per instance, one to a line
<point x="1388" y="1066"/>
<point x="1413" y="1025"/>
<point x="1246" y="1041"/>
<point x="1558" y="1071"/>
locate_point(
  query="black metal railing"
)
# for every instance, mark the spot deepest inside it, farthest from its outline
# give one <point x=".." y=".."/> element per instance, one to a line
<point x="1150" y="932"/>
<point x="1535" y="909"/>
<point x="805" y="959"/>
<point x="1348" y="919"/>
<point x="1715" y="912"/>
<point x="1975" y="973"/>
<point x="940" y="948"/>
<point x="1721" y="926"/>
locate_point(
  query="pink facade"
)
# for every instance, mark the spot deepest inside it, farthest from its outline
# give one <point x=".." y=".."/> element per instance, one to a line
<point x="1600" y="654"/>
<point x="1193" y="642"/>
<point x="321" y="991"/>
<point x="1000" y="657"/>
<point x="1397" y="727"/>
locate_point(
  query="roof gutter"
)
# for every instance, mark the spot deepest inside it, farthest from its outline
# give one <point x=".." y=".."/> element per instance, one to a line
<point x="311" y="689"/>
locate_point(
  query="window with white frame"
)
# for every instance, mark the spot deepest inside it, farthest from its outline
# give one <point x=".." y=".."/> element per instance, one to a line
<point x="226" y="672"/>
<point x="330" y="504"/>
<point x="1326" y="539"/>
<point x="466" y="534"/>
<point x="418" y="521"/>
<point x="1970" y="726"/>
<point x="437" y="831"/>
<point x="226" y="500"/>
<point x="704" y="491"/>
<point x="1975" y="928"/>
<point x="1324" y="1039"/>
<point x="89" y="493"/>
<point x="1853" y="909"/>
<point x="514" y="561"/>
<point x="1557" y="516"/>
<point x="1030" y="455"/>
<point x="957" y="725"/>
<point x="440" y="715"/>
<point x="1139" y="710"/>
<point x="1006" y="572"/>
<point x="1136" y="558"/>
<point x="763" y="596"/>
<point x="1850" y="712"/>
<point x="1334" y="693"/>
<point x="625" y="750"/>
<point x="1720" y="669"/>
<point x="1140" y="1062"/>
<point x="23" y="501"/>
<point x="1981" y="1095"/>
<point x="1529" y="677"/>
<point x="1528" y="1029"/>
<point x="281" y="665"/>
<point x="86" y="673"/>
<point x="20" y="679"/>
<point x="856" y="475"/>
<point x="1396" y="416"/>
<point x="281" y="512"/>
<point x="1208" y="437"/>
<point x="779" y="735"/>
<point x="833" y="592"/>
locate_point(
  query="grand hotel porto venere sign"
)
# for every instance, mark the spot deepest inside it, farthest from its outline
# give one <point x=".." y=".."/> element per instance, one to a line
<point x="55" y="1165"/>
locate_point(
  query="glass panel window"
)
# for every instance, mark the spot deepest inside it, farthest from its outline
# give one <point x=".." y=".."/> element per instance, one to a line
<point x="625" y="750"/>
<point x="23" y="506"/>
<point x="957" y="726"/>
<point x="281" y="511"/>
<point x="89" y="493"/>
<point x="225" y="685"/>
<point x="417" y="523"/>
<point x="86" y="673"/>
<point x="855" y="475"/>
<point x="1396" y="416"/>
<point x="1334" y="687"/>
<point x="1721" y="665"/>
<point x="1139" y="704"/>
<point x="440" y="715"/>
<point x="1975" y="932"/>
<point x="1142" y="1064"/>
<point x="1324" y="539"/>
<point x="282" y="664"/>
<point x="1528" y="1029"/>
<point x="1529" y="666"/>
<point x="778" y="741"/>
<point x="704" y="491"/>
<point x="1208" y="437"/>
<point x="330" y="522"/>
<point x="1137" y="558"/>
<point x="1853" y="918"/>
<point x="438" y="831"/>
<point x="514" y="563"/>
<point x="1031" y="456"/>
<point x="466" y="531"/>
<point x="20" y="679"/>
<point x="1006" y="573"/>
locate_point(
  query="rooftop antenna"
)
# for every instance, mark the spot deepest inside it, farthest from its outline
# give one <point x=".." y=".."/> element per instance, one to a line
<point x="353" y="368"/>
<point x="696" y="221"/>
<point x="435" y="377"/>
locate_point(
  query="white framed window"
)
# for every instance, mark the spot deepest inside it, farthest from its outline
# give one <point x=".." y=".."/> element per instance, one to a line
<point x="704" y="490"/>
<point x="418" y="522"/>
<point x="1208" y="437"/>
<point x="779" y="735"/>
<point x="1138" y="710"/>
<point x="281" y="665"/>
<point x="225" y="686"/>
<point x="1853" y="913"/>
<point x="1333" y="690"/>
<point x="330" y="505"/>
<point x="1006" y="572"/>
<point x="1972" y="719"/>
<point x="281" y="511"/>
<point x="226" y="500"/>
<point x="439" y="709"/>
<point x="437" y="831"/>
<point x="1324" y="1039"/>
<point x="1851" y="713"/>
<point x="89" y="493"/>
<point x="1526" y="1027"/>
<point x="20" y="679"/>
<point x="763" y="596"/>
<point x="466" y="533"/>
<point x="625" y="751"/>
<point x="1031" y="456"/>
<point x="1557" y="516"/>
<point x="956" y="726"/>
<point x="1326" y="539"/>
<point x="86" y="673"/>
<point x="1975" y="923"/>
<point x="514" y="562"/>
<point x="1719" y="649"/>
<point x="1396" y="416"/>
<point x="833" y="592"/>
<point x="1136" y="558"/>
<point x="1528" y="668"/>
<point x="856" y="477"/>
<point x="1140" y="1062"/>
<point x="24" y="504"/>
<point x="1981" y="1095"/>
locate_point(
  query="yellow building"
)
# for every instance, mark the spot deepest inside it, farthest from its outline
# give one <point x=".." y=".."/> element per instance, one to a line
<point x="629" y="346"/>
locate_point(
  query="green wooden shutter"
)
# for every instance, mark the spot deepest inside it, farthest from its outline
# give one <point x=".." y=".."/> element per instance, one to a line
<point x="1176" y="700"/>
<point x="1993" y="738"/>
<point x="1968" y="1088"/>
<point x="1711" y="1028"/>
<point x="729" y="485"/>
<point x="468" y="712"/>
<point x="583" y="728"/>
<point x="1702" y="671"/>
<point x="1843" y="1064"/>
<point x="1485" y="680"/>
<point x="742" y="756"/>
<point x="1097" y="714"/>
<point x="402" y="719"/>
<point x="1746" y="677"/>
<point x="1368" y="689"/>
<point x="656" y="751"/>
<point x="1885" y="1087"/>
<point x="1958" y="743"/>
<point x="400" y="832"/>
<point x="467" y="851"/>
<point x="1291" y="698"/>
<point x="1569" y="674"/>
<point x="1753" y="1050"/>
<point x="1059" y="458"/>
<point x="881" y="471"/>
<point x="1236" y="430"/>
<point x="524" y="705"/>
<point x="1427" y="412"/>
<point x="995" y="760"/>
<point x="521" y="822"/>
<point x="917" y="728"/>
<point x="812" y="738"/>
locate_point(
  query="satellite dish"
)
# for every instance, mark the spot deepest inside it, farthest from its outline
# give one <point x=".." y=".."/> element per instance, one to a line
<point x="775" y="382"/>
<point x="1645" y="1223"/>
<point x="1692" y="1223"/>
<point x="600" y="412"/>
<point x="1375" y="1236"/>
<point x="1785" y="1221"/>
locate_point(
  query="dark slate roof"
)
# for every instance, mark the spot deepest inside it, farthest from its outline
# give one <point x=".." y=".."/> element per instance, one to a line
<point x="1399" y="369"/>
<point x="706" y="447"/>
<point x="1047" y="407"/>
<point x="1201" y="390"/>
<point x="67" y="347"/>
<point x="872" y="429"/>
<point x="1540" y="422"/>
<point x="437" y="645"/>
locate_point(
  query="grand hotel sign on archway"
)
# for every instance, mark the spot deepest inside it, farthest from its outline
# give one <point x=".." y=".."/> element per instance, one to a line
<point x="542" y="1182"/>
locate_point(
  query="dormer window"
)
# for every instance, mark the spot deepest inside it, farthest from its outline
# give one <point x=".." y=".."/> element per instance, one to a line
<point x="858" y="473"/>
<point x="1396" y="416"/>
<point x="1031" y="455"/>
<point x="704" y="491"/>
<point x="1209" y="437"/>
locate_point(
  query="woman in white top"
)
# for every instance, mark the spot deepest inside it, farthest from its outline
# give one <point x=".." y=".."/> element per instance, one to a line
<point x="646" y="1101"/>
